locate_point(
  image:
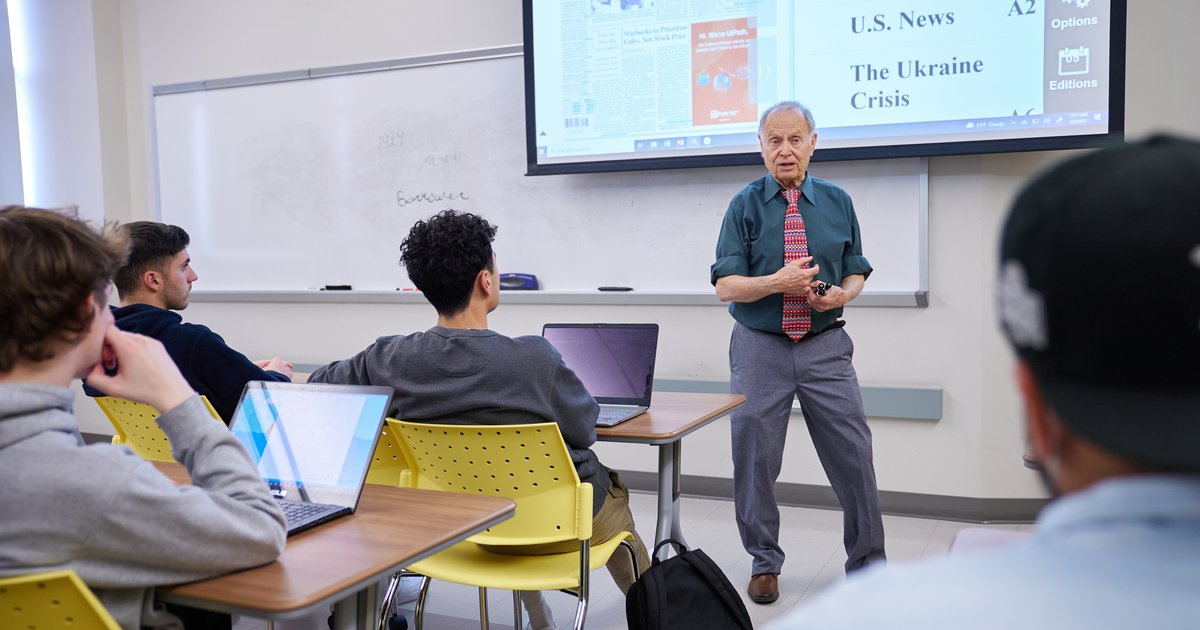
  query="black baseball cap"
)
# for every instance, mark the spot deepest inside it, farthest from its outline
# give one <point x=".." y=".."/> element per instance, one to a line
<point x="1099" y="292"/>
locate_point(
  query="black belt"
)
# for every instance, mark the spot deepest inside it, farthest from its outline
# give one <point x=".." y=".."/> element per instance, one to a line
<point x="812" y="335"/>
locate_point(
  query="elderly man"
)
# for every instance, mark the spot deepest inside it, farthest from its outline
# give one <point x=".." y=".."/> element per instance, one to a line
<point x="789" y="257"/>
<point x="1112" y="407"/>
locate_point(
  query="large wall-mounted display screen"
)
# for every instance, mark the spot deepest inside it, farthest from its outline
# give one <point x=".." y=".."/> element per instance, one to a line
<point x="634" y="84"/>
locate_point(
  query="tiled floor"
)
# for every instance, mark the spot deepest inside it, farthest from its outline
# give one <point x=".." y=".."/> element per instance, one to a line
<point x="811" y="538"/>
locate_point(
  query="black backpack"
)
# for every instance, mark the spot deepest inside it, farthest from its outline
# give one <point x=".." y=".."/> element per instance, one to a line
<point x="687" y="592"/>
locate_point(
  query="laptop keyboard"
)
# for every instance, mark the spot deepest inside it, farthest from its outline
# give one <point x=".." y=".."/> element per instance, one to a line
<point x="301" y="516"/>
<point x="615" y="413"/>
<point x="296" y="512"/>
<point x="610" y="415"/>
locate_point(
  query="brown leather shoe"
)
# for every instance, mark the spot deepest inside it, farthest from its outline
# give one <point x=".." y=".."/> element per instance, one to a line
<point x="764" y="588"/>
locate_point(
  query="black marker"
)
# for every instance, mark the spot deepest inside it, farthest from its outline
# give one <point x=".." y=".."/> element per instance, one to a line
<point x="336" y="287"/>
<point x="615" y="288"/>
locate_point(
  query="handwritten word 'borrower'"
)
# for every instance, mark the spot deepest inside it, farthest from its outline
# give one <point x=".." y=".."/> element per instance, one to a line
<point x="427" y="197"/>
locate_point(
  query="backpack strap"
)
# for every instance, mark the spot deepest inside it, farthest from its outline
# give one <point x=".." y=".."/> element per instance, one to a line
<point x="680" y="549"/>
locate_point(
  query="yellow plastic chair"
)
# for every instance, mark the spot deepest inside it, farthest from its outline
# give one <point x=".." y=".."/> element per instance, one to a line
<point x="389" y="466"/>
<point x="138" y="429"/>
<point x="530" y="464"/>
<point x="57" y="599"/>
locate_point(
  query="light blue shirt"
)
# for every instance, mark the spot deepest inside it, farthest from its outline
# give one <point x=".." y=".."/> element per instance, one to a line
<point x="1122" y="554"/>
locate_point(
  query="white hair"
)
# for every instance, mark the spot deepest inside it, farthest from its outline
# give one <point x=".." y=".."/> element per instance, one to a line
<point x="794" y="106"/>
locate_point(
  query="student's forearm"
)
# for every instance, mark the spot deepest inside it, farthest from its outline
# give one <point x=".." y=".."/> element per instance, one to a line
<point x="154" y="532"/>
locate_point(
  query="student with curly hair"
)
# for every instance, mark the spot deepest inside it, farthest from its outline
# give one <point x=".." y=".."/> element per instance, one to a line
<point x="461" y="372"/>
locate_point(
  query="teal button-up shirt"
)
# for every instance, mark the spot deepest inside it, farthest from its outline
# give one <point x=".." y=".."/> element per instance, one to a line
<point x="751" y="244"/>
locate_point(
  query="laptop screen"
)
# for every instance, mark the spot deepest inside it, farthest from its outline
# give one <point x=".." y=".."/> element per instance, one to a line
<point x="311" y="442"/>
<point x="614" y="361"/>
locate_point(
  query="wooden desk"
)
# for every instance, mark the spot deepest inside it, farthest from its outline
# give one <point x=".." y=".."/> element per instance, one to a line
<point x="672" y="416"/>
<point x="342" y="562"/>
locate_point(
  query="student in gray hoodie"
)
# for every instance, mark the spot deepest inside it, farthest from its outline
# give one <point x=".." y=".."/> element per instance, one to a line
<point x="101" y="510"/>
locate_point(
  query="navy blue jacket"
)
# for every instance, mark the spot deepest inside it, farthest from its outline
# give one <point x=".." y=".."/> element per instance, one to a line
<point x="210" y="366"/>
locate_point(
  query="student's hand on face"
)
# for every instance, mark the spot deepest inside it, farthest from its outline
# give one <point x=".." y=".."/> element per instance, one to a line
<point x="145" y="372"/>
<point x="276" y="365"/>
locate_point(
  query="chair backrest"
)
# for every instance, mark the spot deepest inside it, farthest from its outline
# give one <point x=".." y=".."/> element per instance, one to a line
<point x="528" y="463"/>
<point x="58" y="599"/>
<point x="137" y="426"/>
<point x="389" y="467"/>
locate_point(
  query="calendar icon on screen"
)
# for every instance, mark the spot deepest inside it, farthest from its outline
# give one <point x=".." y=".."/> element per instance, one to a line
<point x="1074" y="61"/>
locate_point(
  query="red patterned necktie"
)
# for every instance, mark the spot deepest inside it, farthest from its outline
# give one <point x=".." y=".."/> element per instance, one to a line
<point x="797" y="315"/>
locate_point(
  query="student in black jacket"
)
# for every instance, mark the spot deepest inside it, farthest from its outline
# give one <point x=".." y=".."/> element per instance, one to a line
<point x="156" y="282"/>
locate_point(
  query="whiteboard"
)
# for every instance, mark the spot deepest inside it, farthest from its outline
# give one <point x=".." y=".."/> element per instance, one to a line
<point x="291" y="184"/>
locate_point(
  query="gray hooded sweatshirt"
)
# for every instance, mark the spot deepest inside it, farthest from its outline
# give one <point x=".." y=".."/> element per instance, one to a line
<point x="115" y="519"/>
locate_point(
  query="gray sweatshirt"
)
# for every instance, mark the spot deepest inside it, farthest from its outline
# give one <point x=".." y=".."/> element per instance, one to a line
<point x="113" y="518"/>
<point x="460" y="376"/>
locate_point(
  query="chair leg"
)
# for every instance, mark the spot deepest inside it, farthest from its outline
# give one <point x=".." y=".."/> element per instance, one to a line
<point x="585" y="563"/>
<point x="483" y="609"/>
<point x="385" y="608"/>
<point x="420" y="612"/>
<point x="389" y="595"/>
<point x="517" y="622"/>
<point x="637" y="571"/>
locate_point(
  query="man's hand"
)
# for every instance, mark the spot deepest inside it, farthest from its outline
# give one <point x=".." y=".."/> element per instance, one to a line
<point x="835" y="297"/>
<point x="792" y="278"/>
<point x="145" y="372"/>
<point x="276" y="365"/>
<point x="795" y="277"/>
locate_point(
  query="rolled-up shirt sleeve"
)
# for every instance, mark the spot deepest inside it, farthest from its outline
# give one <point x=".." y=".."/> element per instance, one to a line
<point x="733" y="252"/>
<point x="853" y="261"/>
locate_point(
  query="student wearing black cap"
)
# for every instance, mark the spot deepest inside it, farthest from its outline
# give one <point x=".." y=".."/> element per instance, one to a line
<point x="1099" y="294"/>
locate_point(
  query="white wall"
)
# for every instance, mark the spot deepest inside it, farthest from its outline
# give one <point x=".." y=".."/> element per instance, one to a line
<point x="11" y="191"/>
<point x="54" y="61"/>
<point x="110" y="103"/>
<point x="953" y="344"/>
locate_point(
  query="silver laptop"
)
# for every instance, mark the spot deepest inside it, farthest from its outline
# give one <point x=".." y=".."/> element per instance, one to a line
<point x="312" y="444"/>
<point x="614" y="361"/>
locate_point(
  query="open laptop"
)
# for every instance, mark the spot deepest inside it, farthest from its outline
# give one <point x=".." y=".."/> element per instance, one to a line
<point x="312" y="444"/>
<point x="614" y="361"/>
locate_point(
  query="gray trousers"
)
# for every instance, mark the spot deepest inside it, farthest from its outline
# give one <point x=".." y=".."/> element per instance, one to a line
<point x="769" y="370"/>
